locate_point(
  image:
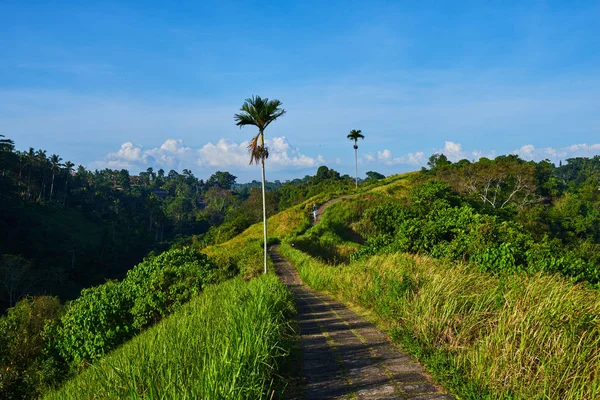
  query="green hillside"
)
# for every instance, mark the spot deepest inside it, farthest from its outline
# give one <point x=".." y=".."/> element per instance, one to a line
<point x="491" y="309"/>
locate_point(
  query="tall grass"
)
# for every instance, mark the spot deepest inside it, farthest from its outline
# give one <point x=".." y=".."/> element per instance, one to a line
<point x="516" y="337"/>
<point x="224" y="344"/>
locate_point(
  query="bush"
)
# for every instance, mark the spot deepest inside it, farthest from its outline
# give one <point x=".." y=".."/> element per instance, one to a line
<point x="160" y="284"/>
<point x="95" y="323"/>
<point x="460" y="233"/>
<point x="24" y="365"/>
<point x="105" y="316"/>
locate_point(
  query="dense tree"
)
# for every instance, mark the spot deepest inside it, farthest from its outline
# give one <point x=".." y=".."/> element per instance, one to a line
<point x="223" y="180"/>
<point x="506" y="181"/>
<point x="324" y="173"/>
<point x="438" y="161"/>
<point x="374" y="175"/>
<point x="259" y="112"/>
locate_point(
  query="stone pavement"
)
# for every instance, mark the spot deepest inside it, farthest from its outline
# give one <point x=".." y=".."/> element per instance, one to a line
<point x="346" y="357"/>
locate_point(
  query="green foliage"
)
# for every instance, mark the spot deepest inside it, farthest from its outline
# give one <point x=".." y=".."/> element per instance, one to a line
<point x="222" y="180"/>
<point x="105" y="316"/>
<point x="374" y="175"/>
<point x="325" y="181"/>
<point x="96" y="322"/>
<point x="436" y="224"/>
<point x="239" y="258"/>
<point x="438" y="162"/>
<point x="25" y="366"/>
<point x="224" y="344"/>
<point x="161" y="284"/>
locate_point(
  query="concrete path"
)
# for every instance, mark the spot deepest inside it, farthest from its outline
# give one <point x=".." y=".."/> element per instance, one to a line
<point x="324" y="206"/>
<point x="346" y="357"/>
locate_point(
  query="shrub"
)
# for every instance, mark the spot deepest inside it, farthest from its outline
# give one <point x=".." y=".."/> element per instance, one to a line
<point x="105" y="316"/>
<point x="95" y="323"/>
<point x="24" y="367"/>
<point x="160" y="284"/>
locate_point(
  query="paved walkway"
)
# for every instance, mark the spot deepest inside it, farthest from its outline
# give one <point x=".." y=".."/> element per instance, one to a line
<point x="324" y="206"/>
<point x="346" y="357"/>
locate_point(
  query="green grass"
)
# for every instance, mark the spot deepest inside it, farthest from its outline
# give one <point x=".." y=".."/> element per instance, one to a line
<point x="512" y="337"/>
<point x="224" y="344"/>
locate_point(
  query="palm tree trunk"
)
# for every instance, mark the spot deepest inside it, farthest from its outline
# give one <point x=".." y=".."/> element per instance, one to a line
<point x="65" y="197"/>
<point x="262" y="143"/>
<point x="29" y="183"/>
<point x="356" y="164"/>
<point x="52" y="186"/>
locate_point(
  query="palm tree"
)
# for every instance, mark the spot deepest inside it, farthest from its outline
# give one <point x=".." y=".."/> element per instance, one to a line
<point x="55" y="166"/>
<point x="68" y="169"/>
<point x="42" y="161"/>
<point x="260" y="113"/>
<point x="355" y="135"/>
<point x="31" y="162"/>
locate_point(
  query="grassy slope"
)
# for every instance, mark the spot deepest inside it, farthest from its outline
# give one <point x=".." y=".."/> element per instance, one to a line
<point x="224" y="344"/>
<point x="485" y="337"/>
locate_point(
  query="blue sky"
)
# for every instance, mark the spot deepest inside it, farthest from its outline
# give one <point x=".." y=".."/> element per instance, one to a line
<point x="137" y="84"/>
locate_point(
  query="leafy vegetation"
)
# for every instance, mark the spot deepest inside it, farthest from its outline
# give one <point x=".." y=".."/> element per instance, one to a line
<point x="224" y="344"/>
<point x="61" y="340"/>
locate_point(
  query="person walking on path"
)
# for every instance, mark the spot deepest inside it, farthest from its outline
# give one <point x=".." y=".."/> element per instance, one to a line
<point x="315" y="212"/>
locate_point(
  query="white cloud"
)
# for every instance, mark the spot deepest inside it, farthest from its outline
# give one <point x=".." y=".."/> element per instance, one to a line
<point x="453" y="151"/>
<point x="173" y="154"/>
<point x="223" y="154"/>
<point x="530" y="152"/>
<point x="129" y="152"/>
<point x="417" y="158"/>
<point x="226" y="153"/>
<point x="385" y="157"/>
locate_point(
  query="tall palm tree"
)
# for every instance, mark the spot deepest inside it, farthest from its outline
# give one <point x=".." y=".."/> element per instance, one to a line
<point x="54" y="166"/>
<point x="42" y="161"/>
<point x="355" y="135"/>
<point x="260" y="113"/>
<point x="68" y="170"/>
<point x="31" y="162"/>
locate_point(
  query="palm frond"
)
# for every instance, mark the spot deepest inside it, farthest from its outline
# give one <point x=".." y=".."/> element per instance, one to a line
<point x="259" y="112"/>
<point x="355" y="135"/>
<point x="252" y="149"/>
<point x="244" y="119"/>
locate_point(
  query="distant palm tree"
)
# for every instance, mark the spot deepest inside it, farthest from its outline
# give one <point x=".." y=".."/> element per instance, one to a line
<point x="42" y="161"/>
<point x="355" y="135"/>
<point x="31" y="162"/>
<point x="260" y="113"/>
<point x="55" y="166"/>
<point x="68" y="169"/>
